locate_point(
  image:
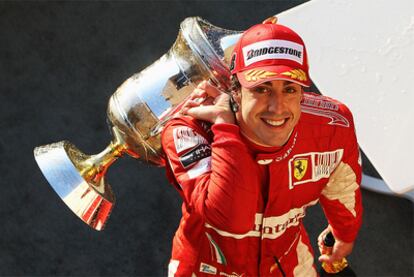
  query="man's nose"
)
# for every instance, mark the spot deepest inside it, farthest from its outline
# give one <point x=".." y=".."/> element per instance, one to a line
<point x="276" y="103"/>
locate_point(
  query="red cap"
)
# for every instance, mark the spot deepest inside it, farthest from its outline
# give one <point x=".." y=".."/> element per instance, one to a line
<point x="267" y="52"/>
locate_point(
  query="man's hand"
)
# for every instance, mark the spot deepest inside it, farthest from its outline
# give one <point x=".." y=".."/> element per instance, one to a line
<point x="208" y="103"/>
<point x="340" y="249"/>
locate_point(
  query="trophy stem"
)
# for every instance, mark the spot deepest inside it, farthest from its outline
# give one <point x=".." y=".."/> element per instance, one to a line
<point x="94" y="168"/>
<point x="79" y="180"/>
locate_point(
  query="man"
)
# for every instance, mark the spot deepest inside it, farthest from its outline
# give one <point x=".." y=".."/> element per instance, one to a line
<point x="247" y="165"/>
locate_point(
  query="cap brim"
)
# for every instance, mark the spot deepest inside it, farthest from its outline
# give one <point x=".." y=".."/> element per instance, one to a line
<point x="253" y="77"/>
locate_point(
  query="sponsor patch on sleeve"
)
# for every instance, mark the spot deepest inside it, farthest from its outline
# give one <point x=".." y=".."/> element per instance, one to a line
<point x="194" y="151"/>
<point x="200" y="168"/>
<point x="209" y="269"/>
<point x="186" y="138"/>
<point x="196" y="154"/>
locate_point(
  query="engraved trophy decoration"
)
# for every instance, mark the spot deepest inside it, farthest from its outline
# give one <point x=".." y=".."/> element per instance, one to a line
<point x="136" y="113"/>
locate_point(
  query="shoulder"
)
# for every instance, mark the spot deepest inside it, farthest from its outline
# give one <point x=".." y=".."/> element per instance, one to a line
<point x="323" y="110"/>
<point x="185" y="133"/>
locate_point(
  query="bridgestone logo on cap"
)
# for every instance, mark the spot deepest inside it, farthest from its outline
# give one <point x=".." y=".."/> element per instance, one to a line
<point x="273" y="49"/>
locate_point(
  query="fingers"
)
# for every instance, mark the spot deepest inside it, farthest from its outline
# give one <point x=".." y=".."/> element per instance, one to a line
<point x="325" y="259"/>
<point x="208" y="103"/>
<point x="202" y="112"/>
<point x="211" y="89"/>
<point x="330" y="258"/>
<point x="334" y="253"/>
<point x="196" y="102"/>
<point x="340" y="250"/>
<point x="196" y="98"/>
<point x="334" y="257"/>
<point x="321" y="237"/>
<point x="198" y="92"/>
<point x="201" y="93"/>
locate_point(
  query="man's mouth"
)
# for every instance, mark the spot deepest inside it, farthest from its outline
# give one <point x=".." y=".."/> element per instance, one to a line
<point x="275" y="123"/>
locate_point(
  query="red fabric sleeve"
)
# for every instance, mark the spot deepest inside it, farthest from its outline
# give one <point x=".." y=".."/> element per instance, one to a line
<point x="341" y="199"/>
<point x="218" y="186"/>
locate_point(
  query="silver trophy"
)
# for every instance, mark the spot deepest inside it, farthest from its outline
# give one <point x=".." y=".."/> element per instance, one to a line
<point x="137" y="112"/>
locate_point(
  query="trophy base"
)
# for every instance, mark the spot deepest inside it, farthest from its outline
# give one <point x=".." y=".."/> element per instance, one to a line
<point x="60" y="164"/>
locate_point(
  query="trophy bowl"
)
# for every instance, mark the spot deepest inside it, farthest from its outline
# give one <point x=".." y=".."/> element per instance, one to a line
<point x="137" y="113"/>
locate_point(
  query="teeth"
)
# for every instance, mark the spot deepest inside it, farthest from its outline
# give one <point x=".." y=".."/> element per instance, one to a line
<point x="275" y="123"/>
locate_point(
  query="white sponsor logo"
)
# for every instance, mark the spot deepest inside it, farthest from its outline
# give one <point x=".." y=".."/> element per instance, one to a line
<point x="186" y="138"/>
<point x="325" y="163"/>
<point x="322" y="165"/>
<point x="275" y="226"/>
<point x="318" y="102"/>
<point x="336" y="118"/>
<point x="270" y="227"/>
<point x="199" y="168"/>
<point x="273" y="49"/>
<point x="209" y="269"/>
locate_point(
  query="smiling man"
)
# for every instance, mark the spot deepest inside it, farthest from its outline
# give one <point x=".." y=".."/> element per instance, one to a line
<point x="273" y="108"/>
<point x="248" y="164"/>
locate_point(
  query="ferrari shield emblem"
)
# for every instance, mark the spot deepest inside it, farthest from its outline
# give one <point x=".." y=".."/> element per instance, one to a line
<point x="300" y="167"/>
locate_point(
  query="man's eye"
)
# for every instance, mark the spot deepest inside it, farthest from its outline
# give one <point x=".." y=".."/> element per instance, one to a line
<point x="291" y="90"/>
<point x="261" y="90"/>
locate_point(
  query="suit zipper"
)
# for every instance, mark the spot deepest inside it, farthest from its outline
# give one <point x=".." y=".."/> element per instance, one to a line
<point x="279" y="266"/>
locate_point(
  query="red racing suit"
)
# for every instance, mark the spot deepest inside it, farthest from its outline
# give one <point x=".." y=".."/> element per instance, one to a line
<point x="243" y="204"/>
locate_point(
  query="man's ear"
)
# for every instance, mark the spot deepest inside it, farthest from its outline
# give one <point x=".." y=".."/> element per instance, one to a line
<point x="236" y="94"/>
<point x="235" y="100"/>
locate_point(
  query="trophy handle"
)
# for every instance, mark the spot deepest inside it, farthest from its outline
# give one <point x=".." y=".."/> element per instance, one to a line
<point x="79" y="179"/>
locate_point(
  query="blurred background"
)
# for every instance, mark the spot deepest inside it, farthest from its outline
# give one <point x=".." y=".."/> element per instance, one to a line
<point x="59" y="64"/>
